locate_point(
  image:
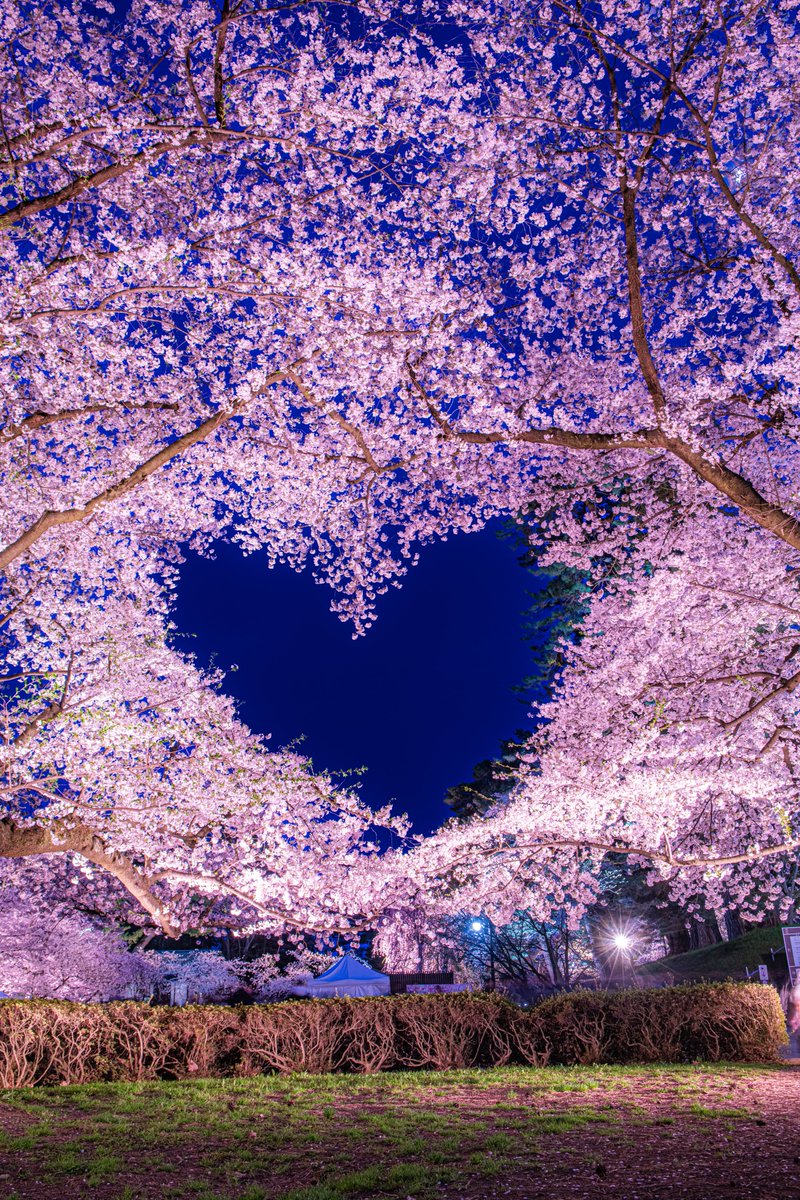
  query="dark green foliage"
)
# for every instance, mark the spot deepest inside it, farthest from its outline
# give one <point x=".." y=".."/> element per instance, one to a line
<point x="559" y="600"/>
<point x="53" y="1041"/>
<point x="492" y="778"/>
<point x="722" y="960"/>
<point x="558" y="606"/>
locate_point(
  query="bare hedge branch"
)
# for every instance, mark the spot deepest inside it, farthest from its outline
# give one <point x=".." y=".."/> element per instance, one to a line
<point x="56" y="1041"/>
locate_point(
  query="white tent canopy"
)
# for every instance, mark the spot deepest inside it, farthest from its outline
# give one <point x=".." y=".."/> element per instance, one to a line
<point x="347" y="977"/>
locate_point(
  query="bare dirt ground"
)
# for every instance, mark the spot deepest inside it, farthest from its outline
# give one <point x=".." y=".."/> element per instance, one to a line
<point x="692" y="1133"/>
<point x="667" y="1147"/>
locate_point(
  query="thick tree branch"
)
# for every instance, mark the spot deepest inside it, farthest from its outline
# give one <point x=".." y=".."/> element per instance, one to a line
<point x="293" y="921"/>
<point x="666" y="856"/>
<point x="724" y="479"/>
<point x="23" y="842"/>
<point x="641" y="342"/>
<point x="785" y="687"/>
<point x="51" y="519"/>
<point x="219" y="49"/>
<point x="739" y="491"/>
<point x="84" y="183"/>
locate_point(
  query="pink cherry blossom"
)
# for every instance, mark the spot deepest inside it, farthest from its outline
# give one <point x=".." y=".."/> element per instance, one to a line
<point x="337" y="290"/>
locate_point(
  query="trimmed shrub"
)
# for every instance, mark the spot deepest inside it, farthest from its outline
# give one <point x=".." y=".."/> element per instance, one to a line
<point x="575" y="1026"/>
<point x="468" y="1030"/>
<point x="294" y="1036"/>
<point x="56" y="1041"/>
<point x="714" y="1022"/>
<point x="370" y="1042"/>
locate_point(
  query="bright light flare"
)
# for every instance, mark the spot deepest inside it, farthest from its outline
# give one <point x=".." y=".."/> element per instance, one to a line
<point x="476" y="926"/>
<point x="622" y="942"/>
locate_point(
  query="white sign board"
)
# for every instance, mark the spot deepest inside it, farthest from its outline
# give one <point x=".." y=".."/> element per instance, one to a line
<point x="436" y="989"/>
<point x="763" y="974"/>
<point x="791" y="940"/>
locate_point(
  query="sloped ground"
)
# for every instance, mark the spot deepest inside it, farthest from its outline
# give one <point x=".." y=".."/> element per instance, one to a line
<point x="723" y="960"/>
<point x="690" y="1132"/>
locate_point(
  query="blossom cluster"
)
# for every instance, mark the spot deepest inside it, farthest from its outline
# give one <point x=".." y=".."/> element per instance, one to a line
<point x="334" y="288"/>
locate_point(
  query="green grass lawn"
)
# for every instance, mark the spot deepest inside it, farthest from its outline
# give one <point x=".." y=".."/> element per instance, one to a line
<point x="724" y="960"/>
<point x="404" y="1134"/>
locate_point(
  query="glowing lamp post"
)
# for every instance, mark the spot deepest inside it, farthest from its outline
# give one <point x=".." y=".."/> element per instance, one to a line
<point x="622" y="944"/>
<point x="478" y="925"/>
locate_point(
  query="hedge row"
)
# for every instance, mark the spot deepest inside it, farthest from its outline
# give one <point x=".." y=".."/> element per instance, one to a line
<point x="54" y="1041"/>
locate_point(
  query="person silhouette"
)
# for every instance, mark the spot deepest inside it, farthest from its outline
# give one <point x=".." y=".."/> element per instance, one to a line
<point x="793" y="1007"/>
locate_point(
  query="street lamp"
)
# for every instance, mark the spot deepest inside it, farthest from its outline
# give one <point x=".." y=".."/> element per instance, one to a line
<point x="477" y="925"/>
<point x="622" y="944"/>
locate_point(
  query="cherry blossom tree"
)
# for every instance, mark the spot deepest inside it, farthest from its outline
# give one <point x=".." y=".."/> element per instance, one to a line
<point x="120" y="751"/>
<point x="192" y="234"/>
<point x="58" y="942"/>
<point x="324" y="285"/>
<point x="204" y="976"/>
<point x="672" y="738"/>
<point x="219" y="256"/>
<point x="275" y="980"/>
<point x="585" y="324"/>
<point x="53" y="949"/>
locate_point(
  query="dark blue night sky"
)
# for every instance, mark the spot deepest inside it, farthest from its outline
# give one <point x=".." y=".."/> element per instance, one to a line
<point x="419" y="700"/>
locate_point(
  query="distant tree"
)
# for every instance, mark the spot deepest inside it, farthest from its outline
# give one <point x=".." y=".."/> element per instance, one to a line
<point x="526" y="957"/>
<point x="558" y="599"/>
<point x="50" y="948"/>
<point x="492" y="778"/>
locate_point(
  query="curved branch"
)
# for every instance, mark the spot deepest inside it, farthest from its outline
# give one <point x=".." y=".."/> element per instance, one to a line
<point x="785" y="687"/>
<point x="22" y="842"/>
<point x="666" y="857"/>
<point x="51" y="519"/>
<point x="721" y="477"/>
<point x="38" y="420"/>
<point x="220" y="885"/>
<point x="777" y="255"/>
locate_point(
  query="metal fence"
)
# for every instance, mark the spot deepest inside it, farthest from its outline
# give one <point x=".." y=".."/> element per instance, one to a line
<point x="399" y="982"/>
